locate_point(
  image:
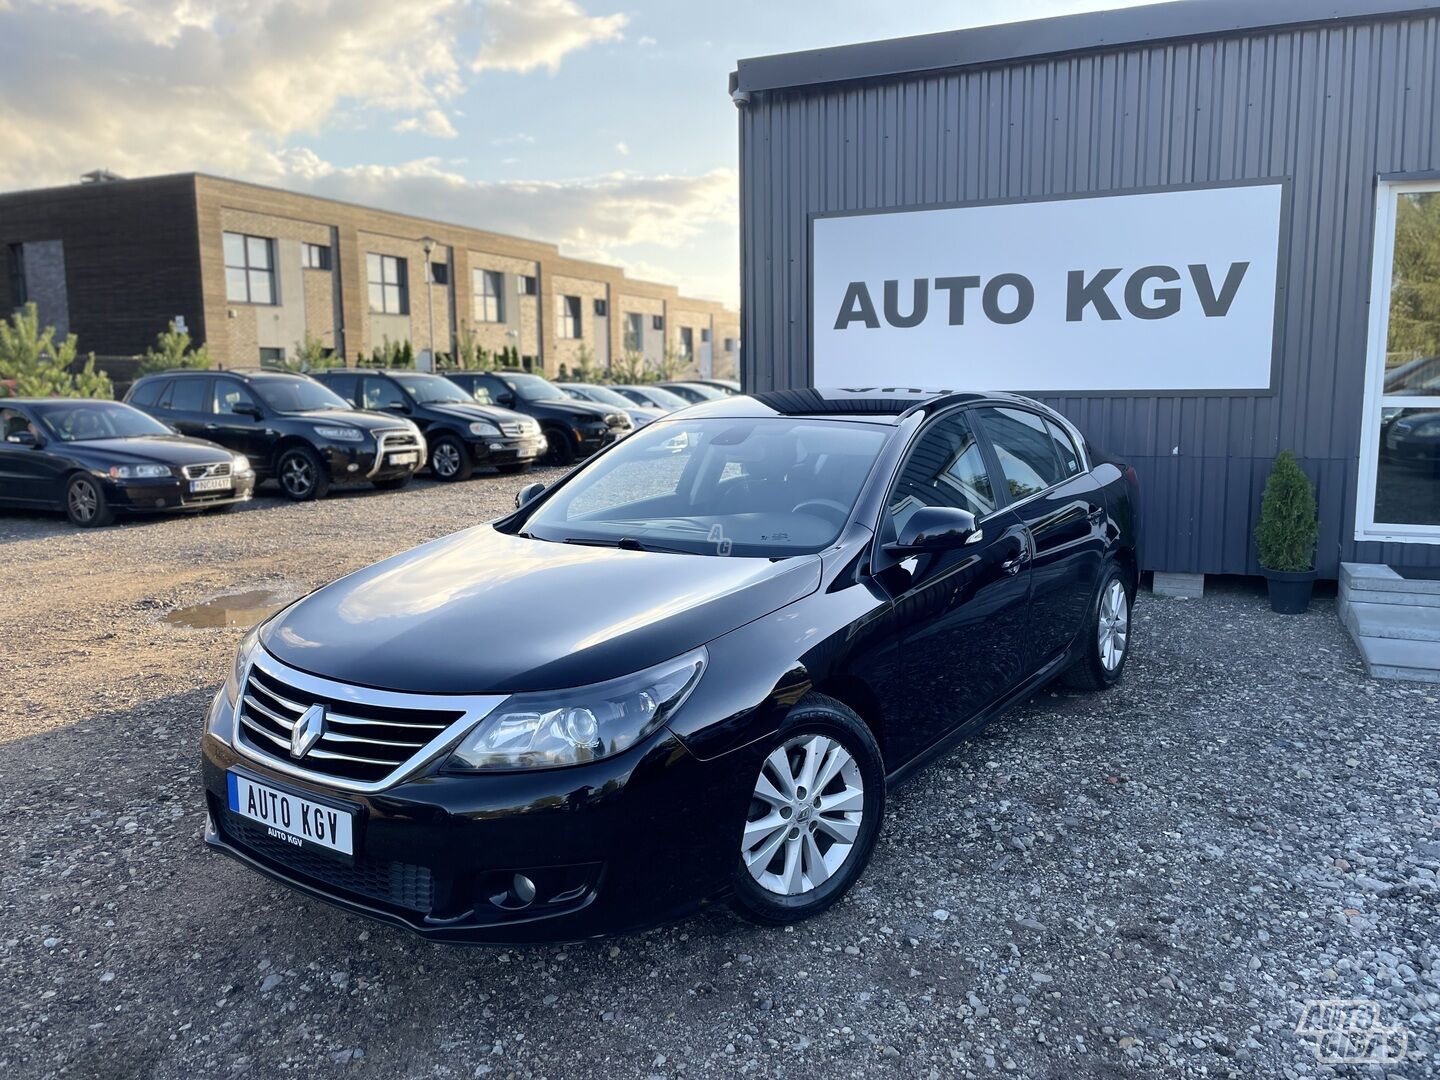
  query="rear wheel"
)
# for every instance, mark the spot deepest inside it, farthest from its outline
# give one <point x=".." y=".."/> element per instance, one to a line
<point x="449" y="460"/>
<point x="814" y="815"/>
<point x="302" y="475"/>
<point x="85" y="503"/>
<point x="1107" y="635"/>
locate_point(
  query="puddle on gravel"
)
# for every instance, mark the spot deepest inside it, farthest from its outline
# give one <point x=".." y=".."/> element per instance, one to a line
<point x="237" y="609"/>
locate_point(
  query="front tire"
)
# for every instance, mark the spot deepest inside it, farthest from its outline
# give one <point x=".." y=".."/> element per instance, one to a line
<point x="302" y="475"/>
<point x="1106" y="645"/>
<point x="559" y="448"/>
<point x="86" y="504"/>
<point x="814" y="816"/>
<point x="450" y="460"/>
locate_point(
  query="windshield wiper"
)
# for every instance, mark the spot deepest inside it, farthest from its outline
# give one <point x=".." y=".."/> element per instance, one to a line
<point x="625" y="543"/>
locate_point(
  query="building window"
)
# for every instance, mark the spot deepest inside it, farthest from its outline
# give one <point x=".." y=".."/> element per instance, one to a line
<point x="388" y="290"/>
<point x="439" y="273"/>
<point x="687" y="343"/>
<point x="529" y="363"/>
<point x="569" y="312"/>
<point x="1398" y="497"/>
<point x="729" y="344"/>
<point x="634" y="331"/>
<point x="249" y="269"/>
<point x="602" y="309"/>
<point x="16" y="260"/>
<point x="657" y="322"/>
<point x="528" y="285"/>
<point x="315" y="256"/>
<point x="489" y="290"/>
<point x="271" y="358"/>
<point x="704" y="336"/>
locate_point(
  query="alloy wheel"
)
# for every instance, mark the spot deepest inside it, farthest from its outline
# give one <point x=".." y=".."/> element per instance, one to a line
<point x="297" y="476"/>
<point x="1114" y="624"/>
<point x="805" y="815"/>
<point x="84" y="500"/>
<point x="446" y="459"/>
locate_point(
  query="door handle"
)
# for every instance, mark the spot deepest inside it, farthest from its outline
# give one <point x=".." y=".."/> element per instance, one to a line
<point x="1096" y="515"/>
<point x="1013" y="564"/>
<point x="211" y="427"/>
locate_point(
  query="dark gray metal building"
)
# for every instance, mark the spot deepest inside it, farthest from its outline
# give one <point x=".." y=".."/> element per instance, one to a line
<point x="1322" y="117"/>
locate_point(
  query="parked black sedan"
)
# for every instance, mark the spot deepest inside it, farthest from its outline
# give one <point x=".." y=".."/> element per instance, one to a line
<point x="691" y="668"/>
<point x="93" y="459"/>
<point x="573" y="429"/>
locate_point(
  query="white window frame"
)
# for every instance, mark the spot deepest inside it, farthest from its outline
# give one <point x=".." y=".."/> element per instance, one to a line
<point x="1387" y="193"/>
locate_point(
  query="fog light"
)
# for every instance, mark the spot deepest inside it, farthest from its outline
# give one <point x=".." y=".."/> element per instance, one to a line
<point x="520" y="894"/>
<point x="352" y="467"/>
<point x="497" y="446"/>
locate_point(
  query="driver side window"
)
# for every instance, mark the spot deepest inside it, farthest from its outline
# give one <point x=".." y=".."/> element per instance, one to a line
<point x="15" y="423"/>
<point x="381" y="394"/>
<point x="945" y="468"/>
<point x="231" y="397"/>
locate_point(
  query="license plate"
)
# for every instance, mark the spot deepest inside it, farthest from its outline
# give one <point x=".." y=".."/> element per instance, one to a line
<point x="408" y="457"/>
<point x="212" y="483"/>
<point x="290" y="818"/>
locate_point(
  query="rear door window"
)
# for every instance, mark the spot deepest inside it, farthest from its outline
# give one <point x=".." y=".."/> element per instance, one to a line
<point x="344" y="385"/>
<point x="147" y="393"/>
<point x="190" y="395"/>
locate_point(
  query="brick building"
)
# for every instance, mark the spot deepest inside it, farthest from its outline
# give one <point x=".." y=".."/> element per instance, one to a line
<point x="254" y="270"/>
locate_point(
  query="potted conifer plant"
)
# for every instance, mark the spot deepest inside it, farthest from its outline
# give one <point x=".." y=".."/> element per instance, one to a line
<point x="1287" y="534"/>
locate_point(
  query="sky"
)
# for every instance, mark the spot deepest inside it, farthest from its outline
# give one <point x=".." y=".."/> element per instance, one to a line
<point x="603" y="126"/>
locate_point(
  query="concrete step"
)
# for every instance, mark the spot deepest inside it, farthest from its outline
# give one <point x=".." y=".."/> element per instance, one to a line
<point x="1400" y="653"/>
<point x="1383" y="671"/>
<point x="1416" y="598"/>
<point x="1373" y="577"/>
<point x="1406" y="621"/>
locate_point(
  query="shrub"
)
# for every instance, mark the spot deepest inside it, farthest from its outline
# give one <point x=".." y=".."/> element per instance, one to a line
<point x="38" y="367"/>
<point x="312" y="354"/>
<point x="1288" y="528"/>
<point x="172" y="349"/>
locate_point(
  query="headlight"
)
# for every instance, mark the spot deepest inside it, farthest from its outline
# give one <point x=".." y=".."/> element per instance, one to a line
<point x="139" y="472"/>
<point x="246" y="649"/>
<point x="482" y="427"/>
<point x="241" y="465"/>
<point x="340" y="434"/>
<point x="568" y="727"/>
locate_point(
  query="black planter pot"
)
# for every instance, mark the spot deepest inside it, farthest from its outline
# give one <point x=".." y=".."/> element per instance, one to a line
<point x="1290" y="590"/>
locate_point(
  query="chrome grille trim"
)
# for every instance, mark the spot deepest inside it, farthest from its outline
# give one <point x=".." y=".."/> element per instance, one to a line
<point x="200" y="472"/>
<point x="513" y="429"/>
<point x="443" y="737"/>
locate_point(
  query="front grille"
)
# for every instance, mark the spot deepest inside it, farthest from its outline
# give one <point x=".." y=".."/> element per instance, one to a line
<point x="400" y="884"/>
<point x="513" y="429"/>
<point x="201" y="472"/>
<point x="362" y="743"/>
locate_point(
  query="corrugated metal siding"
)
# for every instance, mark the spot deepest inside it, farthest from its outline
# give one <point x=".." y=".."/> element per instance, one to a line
<point x="1331" y="108"/>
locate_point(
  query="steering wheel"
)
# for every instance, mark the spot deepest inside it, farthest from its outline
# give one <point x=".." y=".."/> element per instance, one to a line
<point x="839" y="511"/>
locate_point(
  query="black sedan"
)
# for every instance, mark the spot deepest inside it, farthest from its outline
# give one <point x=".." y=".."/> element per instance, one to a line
<point x="94" y="459"/>
<point x="691" y="668"/>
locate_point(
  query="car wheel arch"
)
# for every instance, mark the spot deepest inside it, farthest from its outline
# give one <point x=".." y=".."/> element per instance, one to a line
<point x="860" y="698"/>
<point x="288" y="443"/>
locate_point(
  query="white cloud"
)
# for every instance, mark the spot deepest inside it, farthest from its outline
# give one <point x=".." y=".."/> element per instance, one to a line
<point x="517" y="139"/>
<point x="622" y="148"/>
<point x="646" y="41"/>
<point x="431" y="122"/>
<point x="522" y="35"/>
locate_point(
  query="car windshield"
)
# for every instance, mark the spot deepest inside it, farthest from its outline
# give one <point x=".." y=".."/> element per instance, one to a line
<point x="766" y="488"/>
<point x="433" y="389"/>
<point x="78" y="421"/>
<point x="533" y="388"/>
<point x="706" y="393"/>
<point x="603" y="395"/>
<point x="653" y="395"/>
<point x="297" y="394"/>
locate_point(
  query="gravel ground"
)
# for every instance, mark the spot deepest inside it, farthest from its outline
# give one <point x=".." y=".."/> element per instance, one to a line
<point x="1149" y="882"/>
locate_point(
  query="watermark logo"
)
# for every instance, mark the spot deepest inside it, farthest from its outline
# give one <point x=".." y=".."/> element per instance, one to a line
<point x="1349" y="1031"/>
<point x="719" y="539"/>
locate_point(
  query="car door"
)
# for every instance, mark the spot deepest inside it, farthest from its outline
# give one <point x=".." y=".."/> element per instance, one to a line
<point x="236" y="421"/>
<point x="185" y="405"/>
<point x="29" y="472"/>
<point x="1063" y="508"/>
<point x="961" y="615"/>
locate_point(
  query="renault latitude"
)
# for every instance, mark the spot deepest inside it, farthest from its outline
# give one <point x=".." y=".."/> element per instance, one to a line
<point x="687" y="671"/>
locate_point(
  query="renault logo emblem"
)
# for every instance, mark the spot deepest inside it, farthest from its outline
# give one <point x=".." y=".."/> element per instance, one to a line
<point x="307" y="731"/>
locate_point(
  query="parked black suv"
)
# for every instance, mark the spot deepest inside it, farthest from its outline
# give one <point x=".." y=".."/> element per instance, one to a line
<point x="573" y="429"/>
<point x="461" y="432"/>
<point x="290" y="427"/>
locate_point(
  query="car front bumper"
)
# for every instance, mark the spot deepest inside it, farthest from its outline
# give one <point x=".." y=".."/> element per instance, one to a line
<point x="507" y="450"/>
<point x="173" y="494"/>
<point x="613" y="846"/>
<point x="356" y="462"/>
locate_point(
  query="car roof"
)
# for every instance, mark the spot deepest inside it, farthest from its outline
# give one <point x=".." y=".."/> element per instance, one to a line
<point x="887" y="405"/>
<point x="6" y="402"/>
<point x="243" y="373"/>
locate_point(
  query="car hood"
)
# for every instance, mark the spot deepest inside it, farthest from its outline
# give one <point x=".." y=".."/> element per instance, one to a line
<point x="149" y="450"/>
<point x="356" y="418"/>
<point x="467" y="412"/>
<point x="581" y="410"/>
<point x="485" y="612"/>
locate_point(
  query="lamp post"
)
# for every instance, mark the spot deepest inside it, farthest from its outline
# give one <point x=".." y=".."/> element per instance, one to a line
<point x="429" y="244"/>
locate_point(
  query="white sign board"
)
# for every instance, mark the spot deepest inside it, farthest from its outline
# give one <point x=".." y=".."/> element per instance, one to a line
<point x="1172" y="290"/>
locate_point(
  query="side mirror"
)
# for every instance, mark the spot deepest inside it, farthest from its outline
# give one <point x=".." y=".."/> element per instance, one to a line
<point x="528" y="493"/>
<point x="252" y="411"/>
<point x="23" y="438"/>
<point x="505" y="398"/>
<point x="397" y="406"/>
<point x="935" y="528"/>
